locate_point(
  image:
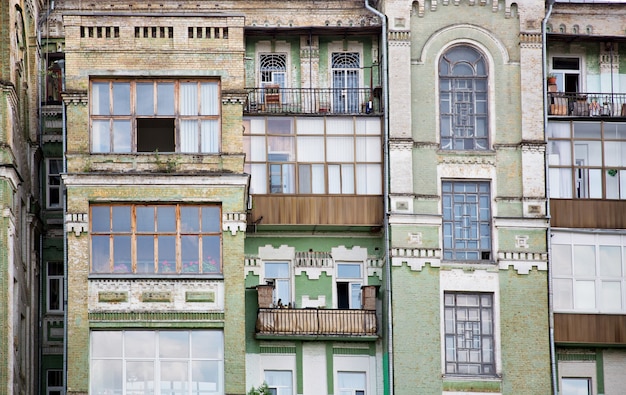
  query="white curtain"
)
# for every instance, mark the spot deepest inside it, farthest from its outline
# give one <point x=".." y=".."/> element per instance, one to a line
<point x="189" y="135"/>
<point x="340" y="149"/>
<point x="209" y="104"/>
<point x="210" y="140"/>
<point x="189" y="98"/>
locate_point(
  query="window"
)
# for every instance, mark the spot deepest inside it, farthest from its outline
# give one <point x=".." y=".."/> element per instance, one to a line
<point x="575" y="386"/>
<point x="351" y="383"/>
<point x="567" y="73"/>
<point x="306" y="155"/>
<point x="148" y="116"/>
<point x="279" y="273"/>
<point x="349" y="282"/>
<point x="587" y="160"/>
<point x="155" y="239"/>
<point x="466" y="221"/>
<point x="463" y="99"/>
<point x="54" y="169"/>
<point x="157" y="362"/>
<point x="279" y="382"/>
<point x="273" y="73"/>
<point x="54" y="277"/>
<point x="469" y="341"/>
<point x="589" y="272"/>
<point x="345" y="68"/>
<point x="54" y="382"/>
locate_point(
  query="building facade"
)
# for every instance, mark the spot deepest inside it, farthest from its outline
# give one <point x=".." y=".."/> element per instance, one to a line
<point x="20" y="225"/>
<point x="467" y="198"/>
<point x="585" y="134"/>
<point x="313" y="136"/>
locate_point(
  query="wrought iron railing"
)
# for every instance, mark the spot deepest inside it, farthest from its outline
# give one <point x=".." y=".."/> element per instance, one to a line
<point x="321" y="101"/>
<point x="586" y="104"/>
<point x="315" y="322"/>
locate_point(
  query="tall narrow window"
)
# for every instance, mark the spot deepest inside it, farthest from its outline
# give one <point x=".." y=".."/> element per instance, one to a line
<point x="466" y="221"/>
<point x="54" y="382"/>
<point x="463" y="99"/>
<point x="279" y="273"/>
<point x="346" y="67"/>
<point x="54" y="292"/>
<point x="349" y="282"/>
<point x="469" y="337"/>
<point x="55" y="167"/>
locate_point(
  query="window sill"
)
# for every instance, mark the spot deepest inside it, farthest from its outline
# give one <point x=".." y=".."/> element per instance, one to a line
<point x="469" y="383"/>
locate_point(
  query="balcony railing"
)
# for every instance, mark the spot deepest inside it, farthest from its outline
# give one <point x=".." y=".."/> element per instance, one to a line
<point x="316" y="322"/>
<point x="323" y="101"/>
<point x="587" y="104"/>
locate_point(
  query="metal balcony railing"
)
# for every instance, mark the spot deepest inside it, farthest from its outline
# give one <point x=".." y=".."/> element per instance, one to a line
<point x="586" y="104"/>
<point x="323" y="101"/>
<point x="316" y="322"/>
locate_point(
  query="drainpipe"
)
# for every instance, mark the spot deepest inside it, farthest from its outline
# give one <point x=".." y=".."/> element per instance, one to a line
<point x="64" y="199"/>
<point x="385" y="81"/>
<point x="544" y="43"/>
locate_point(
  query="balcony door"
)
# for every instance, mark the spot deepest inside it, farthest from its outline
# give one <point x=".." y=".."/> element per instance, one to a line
<point x="567" y="72"/>
<point x="273" y="74"/>
<point x="345" y="69"/>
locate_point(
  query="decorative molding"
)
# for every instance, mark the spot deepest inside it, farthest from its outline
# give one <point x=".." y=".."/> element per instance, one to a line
<point x="233" y="222"/>
<point x="75" y="97"/>
<point x="400" y="35"/>
<point x="469" y="160"/>
<point x="523" y="262"/>
<point x="416" y="258"/>
<point x="530" y="40"/>
<point x="77" y="223"/>
<point x="151" y="316"/>
<point x="400" y="144"/>
<point x="313" y="259"/>
<point x="234" y="97"/>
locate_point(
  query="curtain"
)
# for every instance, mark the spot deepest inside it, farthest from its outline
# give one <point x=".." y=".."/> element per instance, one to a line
<point x="189" y="98"/>
<point x="210" y="140"/>
<point x="209" y="104"/>
<point x="189" y="135"/>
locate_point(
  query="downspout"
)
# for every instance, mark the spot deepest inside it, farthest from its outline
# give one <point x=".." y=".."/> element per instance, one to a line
<point x="64" y="199"/>
<point x="544" y="43"/>
<point x="385" y="81"/>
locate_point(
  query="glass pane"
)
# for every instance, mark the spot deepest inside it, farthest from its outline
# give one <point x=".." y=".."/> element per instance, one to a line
<point x="563" y="296"/>
<point x="165" y="98"/>
<point x="167" y="254"/>
<point x="188" y="135"/>
<point x="145" y="254"/>
<point x="100" y="217"/>
<point x="610" y="296"/>
<point x="145" y="218"/>
<point x="139" y="377"/>
<point x="189" y="219"/>
<point x="211" y="254"/>
<point x="209" y="103"/>
<point x="340" y="149"/>
<point x="188" y="98"/>
<point x="106" y="377"/>
<point x="207" y="344"/>
<point x="166" y="219"/>
<point x="334" y="179"/>
<point x="121" y="136"/>
<point x="100" y="104"/>
<point x="205" y="377"/>
<point x="190" y="253"/>
<point x="310" y="149"/>
<point x="355" y="295"/>
<point x="584" y="260"/>
<point x="347" y="179"/>
<point x="173" y="344"/>
<point x="100" y="254"/>
<point x="347" y="270"/>
<point x="100" y="136"/>
<point x="610" y="261"/>
<point x="584" y="294"/>
<point x="211" y="220"/>
<point x="139" y="344"/>
<point x="575" y="386"/>
<point x="121" y="254"/>
<point x="144" y="98"/>
<point x="121" y="98"/>
<point x="276" y="270"/>
<point x="209" y="136"/>
<point x="106" y="344"/>
<point x="174" y="378"/>
<point x="121" y="218"/>
<point x="562" y="259"/>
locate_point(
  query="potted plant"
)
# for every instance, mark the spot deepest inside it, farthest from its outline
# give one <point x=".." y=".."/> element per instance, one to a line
<point x="551" y="79"/>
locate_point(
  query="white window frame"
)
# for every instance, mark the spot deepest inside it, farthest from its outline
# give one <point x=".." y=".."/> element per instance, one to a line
<point x="352" y="390"/>
<point x="352" y="282"/>
<point x="115" y="355"/>
<point x="56" y="187"/>
<point x="565" y="284"/>
<point x="281" y="284"/>
<point x="277" y="389"/>
<point x="560" y="73"/>
<point x="50" y="278"/>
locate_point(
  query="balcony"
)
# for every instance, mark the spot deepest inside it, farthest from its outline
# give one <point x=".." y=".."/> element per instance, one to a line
<point x="587" y="104"/>
<point x="313" y="322"/>
<point x="318" y="101"/>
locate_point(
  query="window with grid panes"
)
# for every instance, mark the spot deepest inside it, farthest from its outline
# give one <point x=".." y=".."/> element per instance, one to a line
<point x="466" y="220"/>
<point x="54" y="169"/>
<point x="155" y="239"/>
<point x="314" y="155"/>
<point x="469" y="333"/>
<point x="463" y="100"/>
<point x="155" y="116"/>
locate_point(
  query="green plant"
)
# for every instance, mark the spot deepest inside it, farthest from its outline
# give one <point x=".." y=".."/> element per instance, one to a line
<point x="612" y="172"/>
<point x="262" y="389"/>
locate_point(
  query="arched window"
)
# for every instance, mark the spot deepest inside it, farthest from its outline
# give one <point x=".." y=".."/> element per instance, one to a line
<point x="463" y="100"/>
